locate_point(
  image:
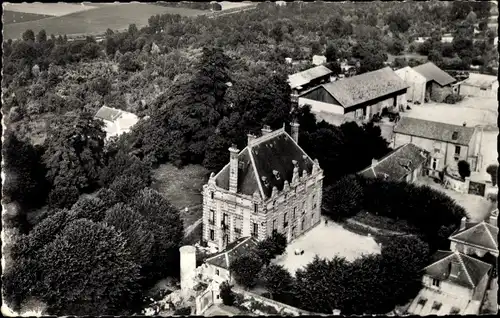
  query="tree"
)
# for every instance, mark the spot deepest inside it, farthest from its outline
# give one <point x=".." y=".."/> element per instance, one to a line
<point x="128" y="62"/>
<point x="90" y="208"/>
<point x="398" y="22"/>
<point x="41" y="36"/>
<point x="91" y="253"/>
<point x="464" y="169"/>
<point x="397" y="47"/>
<point x="343" y="198"/>
<point x="277" y="280"/>
<point x="133" y="228"/>
<point x="331" y="53"/>
<point x="164" y="222"/>
<point x="271" y="247"/>
<point x="74" y="152"/>
<point x="492" y="170"/>
<point x="28" y="36"/>
<point x="226" y="294"/>
<point x="246" y="268"/>
<point x="62" y="196"/>
<point x="120" y="164"/>
<point x="471" y="17"/>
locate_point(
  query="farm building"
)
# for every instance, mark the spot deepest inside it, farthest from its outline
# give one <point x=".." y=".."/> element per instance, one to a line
<point x="299" y="82"/>
<point x="116" y="121"/>
<point x="358" y="97"/>
<point x="416" y="83"/>
<point x="319" y="60"/>
<point x="446" y="143"/>
<point x="402" y="164"/>
<point x="479" y="85"/>
<point x="438" y="83"/>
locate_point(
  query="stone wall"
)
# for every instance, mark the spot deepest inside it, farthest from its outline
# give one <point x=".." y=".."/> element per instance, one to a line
<point x="439" y="93"/>
<point x="281" y="308"/>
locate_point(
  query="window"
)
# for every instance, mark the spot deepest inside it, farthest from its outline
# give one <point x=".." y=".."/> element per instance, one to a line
<point x="454" y="311"/>
<point x="314" y="202"/>
<point x="212" y="235"/>
<point x="436" y="306"/>
<point x="255" y="230"/>
<point x="483" y="89"/>
<point x="294" y="210"/>
<point x="211" y="218"/>
<point x="435" y="282"/>
<point x="237" y="225"/>
<point x="218" y="296"/>
<point x="255" y="208"/>
<point x="285" y="220"/>
<point x="212" y="195"/>
<point x="274" y="225"/>
<point x="217" y="272"/>
<point x="359" y="113"/>
<point x="457" y="150"/>
<point x="434" y="163"/>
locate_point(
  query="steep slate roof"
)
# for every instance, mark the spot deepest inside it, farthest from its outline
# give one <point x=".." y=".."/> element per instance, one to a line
<point x="365" y="87"/>
<point x="471" y="270"/>
<point x="434" y="130"/>
<point x="393" y="164"/>
<point x="108" y="113"/>
<point x="480" y="80"/>
<point x="274" y="152"/>
<point x="480" y="234"/>
<point x="233" y="250"/>
<point x="304" y="77"/>
<point x="433" y="73"/>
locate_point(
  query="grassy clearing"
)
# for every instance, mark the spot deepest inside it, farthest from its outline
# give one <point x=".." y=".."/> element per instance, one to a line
<point x="9" y="17"/>
<point x="97" y="20"/>
<point x="182" y="187"/>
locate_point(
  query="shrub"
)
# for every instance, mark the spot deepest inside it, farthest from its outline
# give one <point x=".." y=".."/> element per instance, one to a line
<point x="453" y="99"/>
<point x="226" y="294"/>
<point x="342" y="199"/>
<point x="184" y="311"/>
<point x="492" y="170"/>
<point x="464" y="169"/>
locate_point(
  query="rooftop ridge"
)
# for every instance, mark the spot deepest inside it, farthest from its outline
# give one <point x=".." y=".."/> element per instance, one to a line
<point x="267" y="136"/>
<point x="459" y="256"/>
<point x="483" y="223"/>
<point x="489" y="233"/>
<point x="440" y="260"/>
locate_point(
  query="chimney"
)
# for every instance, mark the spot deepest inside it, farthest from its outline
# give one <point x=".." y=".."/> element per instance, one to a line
<point x="250" y="139"/>
<point x="233" y="169"/>
<point x="266" y="130"/>
<point x="374" y="162"/>
<point x="463" y="221"/>
<point x="454" y="268"/>
<point x="494" y="218"/>
<point x="464" y="124"/>
<point x="295" y="131"/>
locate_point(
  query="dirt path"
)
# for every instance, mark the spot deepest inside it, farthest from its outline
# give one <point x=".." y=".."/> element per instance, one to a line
<point x="190" y="228"/>
<point x="378" y="231"/>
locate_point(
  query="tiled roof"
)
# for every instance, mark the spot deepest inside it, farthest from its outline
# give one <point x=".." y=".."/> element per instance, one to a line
<point x="397" y="164"/>
<point x="434" y="130"/>
<point x="469" y="275"/>
<point x="480" y="234"/>
<point x="433" y="73"/>
<point x="108" y="113"/>
<point x="304" y="77"/>
<point x="480" y="80"/>
<point x="233" y="250"/>
<point x="365" y="87"/>
<point x="271" y="153"/>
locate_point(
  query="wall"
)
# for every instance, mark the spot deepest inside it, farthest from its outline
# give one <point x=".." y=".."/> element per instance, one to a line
<point x="416" y="91"/>
<point x="438" y="93"/>
<point x="480" y="289"/>
<point x="475" y="91"/>
<point x="318" y="106"/>
<point x="211" y="271"/>
<point x="456" y="184"/>
<point x="280" y="307"/>
<point x="448" y="288"/>
<point x="204" y="301"/>
<point x="446" y="150"/>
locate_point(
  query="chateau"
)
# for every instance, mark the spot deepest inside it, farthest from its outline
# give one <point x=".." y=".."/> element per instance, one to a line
<point x="270" y="185"/>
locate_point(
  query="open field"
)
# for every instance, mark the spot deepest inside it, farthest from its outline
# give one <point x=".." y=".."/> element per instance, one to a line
<point x="326" y="241"/>
<point x="9" y="17"/>
<point x="51" y="9"/>
<point x="477" y="207"/>
<point x="97" y="20"/>
<point x="182" y="187"/>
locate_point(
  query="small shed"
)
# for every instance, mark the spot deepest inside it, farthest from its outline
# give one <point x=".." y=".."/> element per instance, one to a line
<point x="319" y="60"/>
<point x="479" y="85"/>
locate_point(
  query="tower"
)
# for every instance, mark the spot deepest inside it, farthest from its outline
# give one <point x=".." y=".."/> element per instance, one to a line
<point x="188" y="267"/>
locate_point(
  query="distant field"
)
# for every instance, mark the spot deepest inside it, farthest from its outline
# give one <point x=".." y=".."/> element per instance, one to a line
<point x="9" y="17"/>
<point x="52" y="9"/>
<point x="96" y="20"/>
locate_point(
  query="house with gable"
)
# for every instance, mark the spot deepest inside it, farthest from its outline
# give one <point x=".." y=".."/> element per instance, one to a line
<point x="446" y="143"/>
<point x="404" y="163"/>
<point x="302" y="81"/>
<point x="479" y="85"/>
<point x="438" y="83"/>
<point x="116" y="121"/>
<point x="270" y="185"/>
<point x="416" y="82"/>
<point x="359" y="97"/>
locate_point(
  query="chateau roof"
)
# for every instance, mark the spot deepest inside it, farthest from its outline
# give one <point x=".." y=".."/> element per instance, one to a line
<point x="397" y="164"/>
<point x="361" y="88"/>
<point x="482" y="234"/>
<point x="233" y="250"/>
<point x="434" y="130"/>
<point x="470" y="273"/>
<point x="433" y="73"/>
<point x="304" y="77"/>
<point x="271" y="153"/>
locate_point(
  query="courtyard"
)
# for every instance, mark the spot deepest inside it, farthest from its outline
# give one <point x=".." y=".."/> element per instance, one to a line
<point x="326" y="241"/>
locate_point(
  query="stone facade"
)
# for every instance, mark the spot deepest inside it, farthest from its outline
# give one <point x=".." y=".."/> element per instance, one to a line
<point x="438" y="93"/>
<point x="229" y="215"/>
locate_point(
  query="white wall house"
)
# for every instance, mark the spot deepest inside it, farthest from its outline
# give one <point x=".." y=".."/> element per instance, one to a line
<point x="116" y="121"/>
<point x="416" y="83"/>
<point x="479" y="85"/>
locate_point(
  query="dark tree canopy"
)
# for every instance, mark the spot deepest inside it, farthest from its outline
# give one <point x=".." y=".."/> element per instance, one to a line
<point x="246" y="268"/>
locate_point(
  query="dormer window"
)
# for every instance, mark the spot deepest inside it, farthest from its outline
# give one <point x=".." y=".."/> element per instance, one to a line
<point x="454" y="136"/>
<point x="212" y="195"/>
<point x="265" y="181"/>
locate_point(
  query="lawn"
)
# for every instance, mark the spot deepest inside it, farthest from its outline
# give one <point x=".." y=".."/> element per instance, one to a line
<point x="50" y="9"/>
<point x="9" y="17"/>
<point x="326" y="241"/>
<point x="182" y="187"/>
<point x="97" y="20"/>
<point x="477" y="207"/>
